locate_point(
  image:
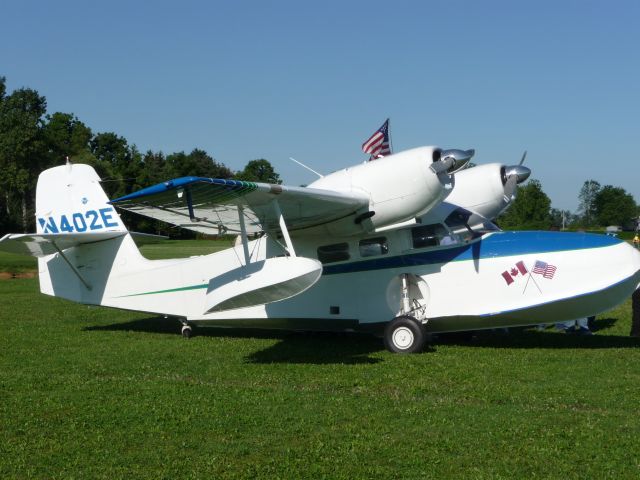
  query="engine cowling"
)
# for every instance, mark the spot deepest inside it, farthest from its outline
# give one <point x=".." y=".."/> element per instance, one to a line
<point x="399" y="187"/>
<point x="487" y="189"/>
<point x="481" y="190"/>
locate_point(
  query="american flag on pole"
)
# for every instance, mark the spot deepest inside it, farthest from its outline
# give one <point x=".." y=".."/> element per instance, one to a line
<point x="378" y="145"/>
<point x="545" y="269"/>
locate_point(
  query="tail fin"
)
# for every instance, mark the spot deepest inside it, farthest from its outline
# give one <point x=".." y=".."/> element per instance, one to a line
<point x="80" y="241"/>
<point x="69" y="199"/>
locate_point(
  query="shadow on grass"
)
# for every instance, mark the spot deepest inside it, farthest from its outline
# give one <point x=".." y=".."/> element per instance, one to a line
<point x="602" y="323"/>
<point x="321" y="348"/>
<point x="548" y="338"/>
<point x="293" y="347"/>
<point x="149" y="325"/>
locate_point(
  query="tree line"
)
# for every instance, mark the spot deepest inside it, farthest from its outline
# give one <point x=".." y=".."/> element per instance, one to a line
<point x="32" y="140"/>
<point x="600" y="206"/>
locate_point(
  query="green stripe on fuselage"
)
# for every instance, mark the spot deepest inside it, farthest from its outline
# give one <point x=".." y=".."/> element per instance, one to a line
<point x="170" y="290"/>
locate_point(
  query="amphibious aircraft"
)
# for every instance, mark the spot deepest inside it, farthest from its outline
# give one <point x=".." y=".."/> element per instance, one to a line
<point x="403" y="245"/>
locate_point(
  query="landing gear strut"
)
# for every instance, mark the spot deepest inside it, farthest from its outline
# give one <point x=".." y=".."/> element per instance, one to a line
<point x="406" y="333"/>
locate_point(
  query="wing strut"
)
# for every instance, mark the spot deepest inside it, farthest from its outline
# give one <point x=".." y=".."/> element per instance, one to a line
<point x="190" y="204"/>
<point x="283" y="228"/>
<point x="243" y="235"/>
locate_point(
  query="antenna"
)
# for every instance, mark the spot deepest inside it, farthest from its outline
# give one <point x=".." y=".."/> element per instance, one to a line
<point x="308" y="168"/>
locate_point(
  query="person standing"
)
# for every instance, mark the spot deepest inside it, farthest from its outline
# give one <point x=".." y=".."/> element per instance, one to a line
<point x="580" y="326"/>
<point x="635" y="314"/>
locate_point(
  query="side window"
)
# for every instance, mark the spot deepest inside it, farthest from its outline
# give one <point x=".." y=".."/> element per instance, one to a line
<point x="333" y="253"/>
<point x="373" y="246"/>
<point x="427" y="235"/>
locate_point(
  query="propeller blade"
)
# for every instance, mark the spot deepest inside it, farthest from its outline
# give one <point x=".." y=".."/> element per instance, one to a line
<point x="512" y="176"/>
<point x="443" y="165"/>
<point x="510" y="188"/>
<point x="524" y="155"/>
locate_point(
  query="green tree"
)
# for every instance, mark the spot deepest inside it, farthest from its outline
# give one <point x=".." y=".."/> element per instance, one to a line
<point x="21" y="152"/>
<point x="561" y="218"/>
<point x="117" y="163"/>
<point x="530" y="210"/>
<point x="64" y="135"/>
<point x="259" y="170"/>
<point x="154" y="169"/>
<point x="614" y="206"/>
<point x="198" y="163"/>
<point x="587" y="206"/>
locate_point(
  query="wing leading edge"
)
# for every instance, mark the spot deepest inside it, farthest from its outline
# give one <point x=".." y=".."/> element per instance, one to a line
<point x="210" y="205"/>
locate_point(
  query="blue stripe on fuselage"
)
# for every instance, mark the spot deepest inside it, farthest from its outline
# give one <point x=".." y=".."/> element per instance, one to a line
<point x="499" y="244"/>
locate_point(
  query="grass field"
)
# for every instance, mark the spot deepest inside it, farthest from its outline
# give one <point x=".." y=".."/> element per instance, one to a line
<point x="99" y="393"/>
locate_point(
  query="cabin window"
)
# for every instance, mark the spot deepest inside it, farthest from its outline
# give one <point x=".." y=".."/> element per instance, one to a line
<point x="337" y="252"/>
<point x="371" y="247"/>
<point x="427" y="235"/>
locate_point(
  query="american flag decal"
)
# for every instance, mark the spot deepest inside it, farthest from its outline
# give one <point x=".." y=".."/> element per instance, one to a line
<point x="545" y="269"/>
<point x="378" y="144"/>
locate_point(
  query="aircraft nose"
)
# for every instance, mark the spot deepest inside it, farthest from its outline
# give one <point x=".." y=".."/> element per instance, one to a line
<point x="631" y="260"/>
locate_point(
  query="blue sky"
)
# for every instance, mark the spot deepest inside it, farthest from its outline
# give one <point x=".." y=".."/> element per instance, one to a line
<point x="313" y="80"/>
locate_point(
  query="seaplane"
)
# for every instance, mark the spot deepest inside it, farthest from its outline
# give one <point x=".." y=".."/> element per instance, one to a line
<point x="403" y="246"/>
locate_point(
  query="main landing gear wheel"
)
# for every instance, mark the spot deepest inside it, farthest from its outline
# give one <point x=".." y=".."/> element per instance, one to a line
<point x="404" y="334"/>
<point x="187" y="331"/>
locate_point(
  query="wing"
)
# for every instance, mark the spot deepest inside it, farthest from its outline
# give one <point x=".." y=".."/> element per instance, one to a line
<point x="210" y="205"/>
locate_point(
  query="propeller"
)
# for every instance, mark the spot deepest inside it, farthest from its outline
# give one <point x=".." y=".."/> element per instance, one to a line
<point x="512" y="176"/>
<point x="451" y="160"/>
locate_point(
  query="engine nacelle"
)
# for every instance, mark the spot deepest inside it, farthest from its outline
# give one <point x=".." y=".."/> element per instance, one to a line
<point x="400" y="187"/>
<point x="481" y="190"/>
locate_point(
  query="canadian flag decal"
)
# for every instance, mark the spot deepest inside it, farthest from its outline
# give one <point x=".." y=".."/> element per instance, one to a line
<point x="512" y="273"/>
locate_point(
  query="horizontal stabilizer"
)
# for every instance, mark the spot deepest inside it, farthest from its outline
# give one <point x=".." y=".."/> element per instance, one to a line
<point x="43" y="244"/>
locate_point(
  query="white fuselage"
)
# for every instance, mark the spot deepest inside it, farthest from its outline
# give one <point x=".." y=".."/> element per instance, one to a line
<point x="487" y="282"/>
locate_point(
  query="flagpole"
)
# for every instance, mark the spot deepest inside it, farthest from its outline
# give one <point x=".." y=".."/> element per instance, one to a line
<point x="389" y="133"/>
<point x="534" y="282"/>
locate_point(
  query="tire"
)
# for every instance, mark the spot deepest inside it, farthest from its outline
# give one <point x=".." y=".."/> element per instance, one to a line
<point x="404" y="335"/>
<point x="187" y="332"/>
